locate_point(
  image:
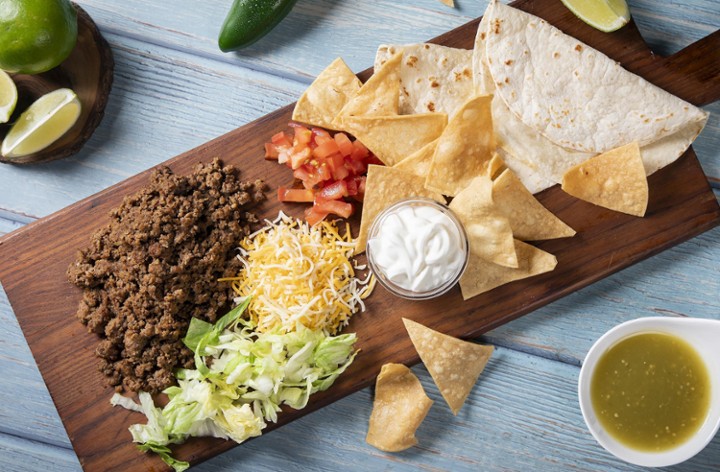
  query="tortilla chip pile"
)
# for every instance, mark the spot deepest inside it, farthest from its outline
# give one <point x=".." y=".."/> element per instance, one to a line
<point x="401" y="404"/>
<point x="460" y="124"/>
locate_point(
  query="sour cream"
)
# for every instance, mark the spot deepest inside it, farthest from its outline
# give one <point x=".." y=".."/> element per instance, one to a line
<point x="417" y="248"/>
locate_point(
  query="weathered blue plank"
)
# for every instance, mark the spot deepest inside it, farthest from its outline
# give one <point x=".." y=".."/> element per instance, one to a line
<point x="162" y="103"/>
<point x="23" y="455"/>
<point x="174" y="90"/>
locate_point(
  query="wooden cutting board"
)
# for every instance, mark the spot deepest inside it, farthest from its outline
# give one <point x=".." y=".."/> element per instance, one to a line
<point x="33" y="260"/>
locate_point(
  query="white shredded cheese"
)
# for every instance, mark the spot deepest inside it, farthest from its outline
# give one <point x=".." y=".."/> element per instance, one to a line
<point x="296" y="273"/>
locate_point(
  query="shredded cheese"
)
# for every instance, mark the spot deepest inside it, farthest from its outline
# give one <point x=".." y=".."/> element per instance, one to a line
<point x="296" y="273"/>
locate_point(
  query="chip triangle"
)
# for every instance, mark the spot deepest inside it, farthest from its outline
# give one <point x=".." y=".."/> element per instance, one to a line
<point x="454" y="364"/>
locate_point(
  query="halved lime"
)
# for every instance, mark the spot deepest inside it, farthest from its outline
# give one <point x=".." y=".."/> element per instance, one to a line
<point x="8" y="96"/>
<point x="605" y="15"/>
<point x="43" y="123"/>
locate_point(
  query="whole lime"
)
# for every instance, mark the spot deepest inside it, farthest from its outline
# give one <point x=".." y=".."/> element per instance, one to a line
<point x="36" y="35"/>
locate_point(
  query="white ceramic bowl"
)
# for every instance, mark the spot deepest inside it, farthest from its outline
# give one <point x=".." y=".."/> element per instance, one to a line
<point x="704" y="336"/>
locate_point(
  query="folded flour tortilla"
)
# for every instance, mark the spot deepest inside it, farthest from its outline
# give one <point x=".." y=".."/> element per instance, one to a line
<point x="433" y="78"/>
<point x="558" y="102"/>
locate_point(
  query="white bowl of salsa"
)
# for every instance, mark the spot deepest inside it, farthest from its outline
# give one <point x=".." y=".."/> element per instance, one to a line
<point x="649" y="389"/>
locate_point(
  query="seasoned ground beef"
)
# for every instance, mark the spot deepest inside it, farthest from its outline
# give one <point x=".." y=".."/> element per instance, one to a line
<point x="156" y="265"/>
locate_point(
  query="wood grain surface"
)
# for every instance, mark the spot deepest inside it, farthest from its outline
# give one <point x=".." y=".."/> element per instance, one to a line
<point x="683" y="207"/>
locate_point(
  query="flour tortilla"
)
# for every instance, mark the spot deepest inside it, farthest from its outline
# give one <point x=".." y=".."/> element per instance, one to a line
<point x="593" y="105"/>
<point x="326" y="96"/>
<point x="433" y="78"/>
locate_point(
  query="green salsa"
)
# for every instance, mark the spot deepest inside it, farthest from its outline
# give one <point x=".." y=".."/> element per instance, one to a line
<point x="651" y="391"/>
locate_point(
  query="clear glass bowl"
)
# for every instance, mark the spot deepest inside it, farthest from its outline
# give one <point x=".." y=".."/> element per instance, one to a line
<point x="391" y="286"/>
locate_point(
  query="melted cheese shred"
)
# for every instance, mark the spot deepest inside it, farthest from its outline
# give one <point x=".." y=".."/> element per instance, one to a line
<point x="296" y="273"/>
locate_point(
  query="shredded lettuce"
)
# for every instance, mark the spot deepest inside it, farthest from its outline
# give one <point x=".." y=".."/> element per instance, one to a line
<point x="240" y="381"/>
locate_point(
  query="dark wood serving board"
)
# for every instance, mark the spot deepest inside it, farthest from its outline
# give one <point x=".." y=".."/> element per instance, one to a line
<point x="33" y="260"/>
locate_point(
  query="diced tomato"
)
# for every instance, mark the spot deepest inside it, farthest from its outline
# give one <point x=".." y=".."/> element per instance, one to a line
<point x="356" y="167"/>
<point x="352" y="186"/>
<point x="360" y="151"/>
<point x="271" y="151"/>
<point x="344" y="144"/>
<point x="295" y="195"/>
<point x="334" y="191"/>
<point x="299" y="157"/>
<point x="320" y="133"/>
<point x="331" y="168"/>
<point x="326" y="149"/>
<point x="281" y="139"/>
<point x="308" y="175"/>
<point x="314" y="216"/>
<point x="341" y="172"/>
<point x="302" y="135"/>
<point x="337" y="207"/>
<point x="361" y="188"/>
<point x="323" y="172"/>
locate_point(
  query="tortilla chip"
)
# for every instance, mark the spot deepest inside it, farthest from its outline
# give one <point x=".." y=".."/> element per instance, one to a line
<point x="530" y="221"/>
<point x="482" y="276"/>
<point x="327" y="95"/>
<point x="393" y="138"/>
<point x="383" y="187"/>
<point x="449" y="3"/>
<point x="399" y="407"/>
<point x="418" y="163"/>
<point x="615" y="180"/>
<point x="454" y="365"/>
<point x="433" y="78"/>
<point x="464" y="149"/>
<point x="489" y="233"/>
<point x="379" y="95"/>
<point x="495" y="166"/>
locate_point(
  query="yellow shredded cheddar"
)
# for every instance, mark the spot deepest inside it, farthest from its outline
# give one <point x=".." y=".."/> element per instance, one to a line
<point x="296" y="273"/>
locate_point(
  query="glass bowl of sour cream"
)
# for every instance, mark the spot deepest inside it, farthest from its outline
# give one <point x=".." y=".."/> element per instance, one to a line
<point x="417" y="248"/>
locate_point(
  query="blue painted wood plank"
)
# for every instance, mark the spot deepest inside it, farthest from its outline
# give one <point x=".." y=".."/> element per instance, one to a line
<point x="162" y="103"/>
<point x="310" y="37"/>
<point x="22" y="455"/>
<point x="171" y="93"/>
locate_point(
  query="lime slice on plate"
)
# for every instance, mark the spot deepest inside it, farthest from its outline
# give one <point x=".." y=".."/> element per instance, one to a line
<point x="605" y="15"/>
<point x="43" y="123"/>
<point x="8" y="96"/>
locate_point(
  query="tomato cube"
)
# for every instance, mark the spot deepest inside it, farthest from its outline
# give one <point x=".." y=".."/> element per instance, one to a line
<point x="344" y="144"/>
<point x="314" y="216"/>
<point x="338" y="207"/>
<point x="334" y="191"/>
<point x="295" y="195"/>
<point x="326" y="149"/>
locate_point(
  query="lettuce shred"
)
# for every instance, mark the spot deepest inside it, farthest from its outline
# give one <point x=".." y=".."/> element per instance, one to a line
<point x="241" y="379"/>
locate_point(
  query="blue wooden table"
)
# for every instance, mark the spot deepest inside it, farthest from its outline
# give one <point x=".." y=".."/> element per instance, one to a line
<point x="174" y="90"/>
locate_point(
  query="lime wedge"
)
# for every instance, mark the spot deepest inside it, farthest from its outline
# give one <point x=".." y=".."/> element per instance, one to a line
<point x="605" y="15"/>
<point x="8" y="96"/>
<point x="43" y="123"/>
